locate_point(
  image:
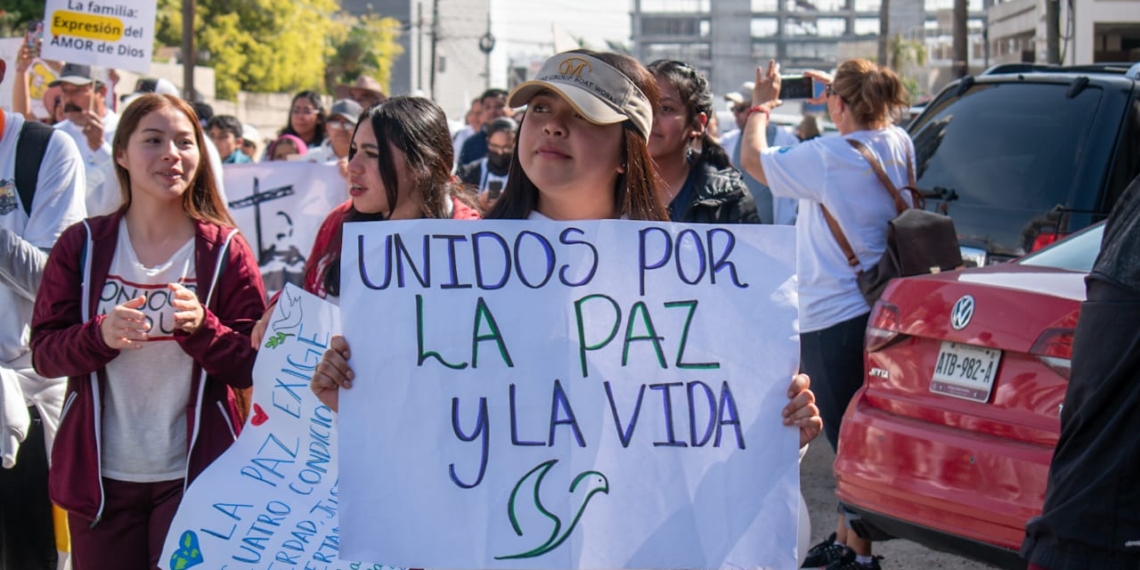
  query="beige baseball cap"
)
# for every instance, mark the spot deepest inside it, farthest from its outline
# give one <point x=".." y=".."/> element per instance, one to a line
<point x="598" y="91"/>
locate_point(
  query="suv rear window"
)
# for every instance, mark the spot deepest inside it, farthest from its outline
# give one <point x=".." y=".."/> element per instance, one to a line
<point x="1001" y="156"/>
<point x="1076" y="253"/>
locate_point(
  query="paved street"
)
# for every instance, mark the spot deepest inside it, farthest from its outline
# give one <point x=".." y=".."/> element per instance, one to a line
<point x="818" y="485"/>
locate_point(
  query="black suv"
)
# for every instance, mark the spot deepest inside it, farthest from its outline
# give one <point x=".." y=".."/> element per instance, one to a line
<point x="1023" y="154"/>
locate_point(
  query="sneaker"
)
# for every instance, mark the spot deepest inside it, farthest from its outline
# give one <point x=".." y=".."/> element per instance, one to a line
<point x="850" y="563"/>
<point x="827" y="553"/>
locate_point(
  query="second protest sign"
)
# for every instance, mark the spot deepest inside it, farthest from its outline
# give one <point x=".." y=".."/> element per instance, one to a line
<point x="599" y="394"/>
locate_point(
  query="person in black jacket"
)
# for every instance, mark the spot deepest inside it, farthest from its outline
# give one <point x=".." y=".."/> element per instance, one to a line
<point x="698" y="182"/>
<point x="1091" y="517"/>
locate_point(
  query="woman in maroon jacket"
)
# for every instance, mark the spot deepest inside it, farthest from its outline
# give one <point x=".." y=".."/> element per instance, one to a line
<point x="147" y="311"/>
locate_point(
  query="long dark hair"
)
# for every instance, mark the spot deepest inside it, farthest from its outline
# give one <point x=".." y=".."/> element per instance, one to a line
<point x="319" y="134"/>
<point x="697" y="98"/>
<point x="635" y="194"/>
<point x="201" y="201"/>
<point x="418" y="128"/>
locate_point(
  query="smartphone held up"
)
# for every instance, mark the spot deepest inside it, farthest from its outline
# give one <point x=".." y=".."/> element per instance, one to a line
<point x="800" y="87"/>
<point x="33" y="37"/>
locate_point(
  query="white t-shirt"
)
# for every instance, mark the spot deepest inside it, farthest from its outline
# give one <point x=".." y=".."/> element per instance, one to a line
<point x="829" y="171"/>
<point x="102" y="186"/>
<point x="148" y="390"/>
<point x="58" y="203"/>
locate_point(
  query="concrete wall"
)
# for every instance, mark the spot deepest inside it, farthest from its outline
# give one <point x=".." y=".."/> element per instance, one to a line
<point x="1087" y="15"/>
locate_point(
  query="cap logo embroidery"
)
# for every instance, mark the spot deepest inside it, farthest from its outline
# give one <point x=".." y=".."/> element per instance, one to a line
<point x="573" y="66"/>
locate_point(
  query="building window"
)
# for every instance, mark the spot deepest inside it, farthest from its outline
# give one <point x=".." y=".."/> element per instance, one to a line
<point x="687" y="6"/>
<point x="867" y="5"/>
<point x="657" y="26"/>
<point x="866" y="26"/>
<point x="764" y="50"/>
<point x="765" y="5"/>
<point x="688" y="52"/>
<point x="765" y="27"/>
<point x="832" y="27"/>
<point x="816" y="5"/>
<point x="828" y="51"/>
<point x="971" y="5"/>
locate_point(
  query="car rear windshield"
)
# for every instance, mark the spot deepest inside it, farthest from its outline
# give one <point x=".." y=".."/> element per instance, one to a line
<point x="1077" y="253"/>
<point x="1003" y="155"/>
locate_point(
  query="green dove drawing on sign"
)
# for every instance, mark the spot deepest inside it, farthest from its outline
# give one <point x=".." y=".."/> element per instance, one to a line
<point x="530" y="484"/>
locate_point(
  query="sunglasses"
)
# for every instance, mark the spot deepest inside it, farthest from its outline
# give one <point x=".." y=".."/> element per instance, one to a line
<point x="339" y="125"/>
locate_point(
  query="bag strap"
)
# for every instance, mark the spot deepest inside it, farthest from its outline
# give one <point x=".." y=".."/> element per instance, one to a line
<point x="877" y="166"/>
<point x="900" y="204"/>
<point x="30" y="150"/>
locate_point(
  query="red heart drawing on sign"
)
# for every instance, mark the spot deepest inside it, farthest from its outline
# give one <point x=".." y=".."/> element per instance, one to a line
<point x="259" y="415"/>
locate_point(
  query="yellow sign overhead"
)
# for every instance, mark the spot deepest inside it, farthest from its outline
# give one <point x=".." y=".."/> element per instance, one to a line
<point x="88" y="26"/>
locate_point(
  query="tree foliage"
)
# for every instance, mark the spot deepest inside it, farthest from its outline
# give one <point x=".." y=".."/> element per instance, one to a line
<point x="15" y="15"/>
<point x="367" y="45"/>
<point x="907" y="57"/>
<point x="273" y="46"/>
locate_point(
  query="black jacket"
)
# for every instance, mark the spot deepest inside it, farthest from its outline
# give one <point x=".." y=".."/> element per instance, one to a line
<point x="719" y="197"/>
<point x="1091" y="517"/>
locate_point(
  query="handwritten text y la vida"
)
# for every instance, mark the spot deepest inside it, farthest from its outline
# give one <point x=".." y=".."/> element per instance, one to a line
<point x="433" y="264"/>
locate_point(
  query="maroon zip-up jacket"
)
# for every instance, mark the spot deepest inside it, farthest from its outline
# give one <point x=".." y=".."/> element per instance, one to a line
<point x="66" y="341"/>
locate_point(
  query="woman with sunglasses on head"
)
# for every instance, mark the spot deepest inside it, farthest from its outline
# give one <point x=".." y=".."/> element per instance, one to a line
<point x="831" y="177"/>
<point x="147" y="311"/>
<point x="697" y="184"/>
<point x="399" y="168"/>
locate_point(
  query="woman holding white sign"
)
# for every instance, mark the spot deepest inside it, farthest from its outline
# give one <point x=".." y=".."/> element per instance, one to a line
<point x="147" y="312"/>
<point x="580" y="157"/>
<point x="831" y="173"/>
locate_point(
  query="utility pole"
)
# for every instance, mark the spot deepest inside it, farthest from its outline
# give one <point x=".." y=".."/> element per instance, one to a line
<point x="188" y="54"/>
<point x="884" y="32"/>
<point x="961" y="65"/>
<point x="420" y="46"/>
<point x="434" y="42"/>
<point x="1052" y="32"/>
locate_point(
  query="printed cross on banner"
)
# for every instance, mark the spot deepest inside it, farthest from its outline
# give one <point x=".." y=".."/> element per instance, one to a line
<point x="255" y="200"/>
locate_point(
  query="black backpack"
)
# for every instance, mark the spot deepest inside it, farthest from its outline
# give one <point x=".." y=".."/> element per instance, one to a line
<point x="30" y="149"/>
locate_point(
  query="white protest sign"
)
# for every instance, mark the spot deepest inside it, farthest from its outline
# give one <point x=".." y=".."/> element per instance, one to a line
<point x="107" y="33"/>
<point x="601" y="394"/>
<point x="9" y="52"/>
<point x="279" y="207"/>
<point x="270" y="501"/>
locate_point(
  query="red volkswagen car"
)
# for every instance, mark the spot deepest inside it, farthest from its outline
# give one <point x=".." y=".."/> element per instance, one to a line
<point x="948" y="443"/>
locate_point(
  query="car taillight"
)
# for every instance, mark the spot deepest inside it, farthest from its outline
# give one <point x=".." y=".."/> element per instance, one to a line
<point x="1054" y="348"/>
<point x="883" y="326"/>
<point x="1045" y="238"/>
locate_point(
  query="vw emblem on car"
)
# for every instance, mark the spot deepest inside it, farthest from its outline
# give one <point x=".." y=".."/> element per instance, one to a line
<point x="962" y="312"/>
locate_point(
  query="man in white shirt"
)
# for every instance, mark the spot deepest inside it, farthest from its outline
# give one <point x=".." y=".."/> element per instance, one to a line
<point x="31" y="219"/>
<point x="92" y="126"/>
<point x="772" y="210"/>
